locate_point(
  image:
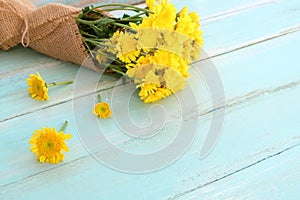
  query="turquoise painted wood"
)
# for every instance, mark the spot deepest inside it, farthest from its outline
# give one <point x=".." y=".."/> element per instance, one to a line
<point x="274" y="178"/>
<point x="254" y="46"/>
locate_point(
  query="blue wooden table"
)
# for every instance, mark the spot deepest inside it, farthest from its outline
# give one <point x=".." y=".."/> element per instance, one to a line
<point x="254" y="45"/>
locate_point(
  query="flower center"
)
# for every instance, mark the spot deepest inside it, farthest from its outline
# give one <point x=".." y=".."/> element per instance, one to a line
<point x="48" y="145"/>
<point x="102" y="109"/>
<point x="38" y="88"/>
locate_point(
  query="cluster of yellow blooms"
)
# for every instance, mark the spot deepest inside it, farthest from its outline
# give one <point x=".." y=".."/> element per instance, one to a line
<point x="159" y="53"/>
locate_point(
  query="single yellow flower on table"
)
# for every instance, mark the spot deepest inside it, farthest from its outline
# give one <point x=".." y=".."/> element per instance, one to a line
<point x="38" y="88"/>
<point x="102" y="109"/>
<point x="48" y="144"/>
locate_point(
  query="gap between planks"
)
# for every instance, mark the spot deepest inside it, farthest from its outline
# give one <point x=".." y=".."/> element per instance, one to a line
<point x="285" y="150"/>
<point x="222" y="15"/>
<point x="282" y="33"/>
<point x="246" y="99"/>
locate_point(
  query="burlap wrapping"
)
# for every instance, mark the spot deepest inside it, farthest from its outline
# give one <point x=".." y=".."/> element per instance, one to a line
<point x="50" y="29"/>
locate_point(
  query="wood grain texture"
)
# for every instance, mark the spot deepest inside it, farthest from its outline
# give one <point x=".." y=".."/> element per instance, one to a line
<point x="259" y="67"/>
<point x="274" y="178"/>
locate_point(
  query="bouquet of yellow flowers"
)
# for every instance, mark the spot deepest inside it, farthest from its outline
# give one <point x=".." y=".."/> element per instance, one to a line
<point x="154" y="46"/>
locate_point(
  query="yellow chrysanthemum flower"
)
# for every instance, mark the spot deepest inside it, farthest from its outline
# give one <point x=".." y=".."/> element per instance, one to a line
<point x="164" y="16"/>
<point x="150" y="4"/>
<point x="139" y="70"/>
<point x="129" y="56"/>
<point x="172" y="60"/>
<point x="183" y="11"/>
<point x="48" y="145"/>
<point x="124" y="45"/>
<point x="172" y="41"/>
<point x="144" y="60"/>
<point x="113" y="41"/>
<point x="174" y="80"/>
<point x="195" y="18"/>
<point x="162" y="74"/>
<point x="151" y="92"/>
<point x="195" y="55"/>
<point x="151" y="77"/>
<point x="147" y="38"/>
<point x="37" y="87"/>
<point x="189" y="25"/>
<point x="102" y="110"/>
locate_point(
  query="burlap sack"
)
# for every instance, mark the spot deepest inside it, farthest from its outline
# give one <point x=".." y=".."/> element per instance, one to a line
<point x="50" y="29"/>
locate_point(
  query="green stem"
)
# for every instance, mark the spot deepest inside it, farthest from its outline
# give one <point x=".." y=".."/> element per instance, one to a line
<point x="86" y="22"/>
<point x="95" y="27"/>
<point x="128" y="20"/>
<point x="99" y="98"/>
<point x="124" y="26"/>
<point x="64" y="126"/>
<point x="121" y="7"/>
<point x="94" y="42"/>
<point x="137" y="15"/>
<point x="118" y="71"/>
<point x="100" y="39"/>
<point x="59" y="83"/>
<point x="87" y="34"/>
<point x="110" y="57"/>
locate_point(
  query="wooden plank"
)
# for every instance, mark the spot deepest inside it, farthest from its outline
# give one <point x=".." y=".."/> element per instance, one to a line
<point x="251" y="26"/>
<point x="274" y="178"/>
<point x="20" y="58"/>
<point x="240" y="89"/>
<point x="212" y="9"/>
